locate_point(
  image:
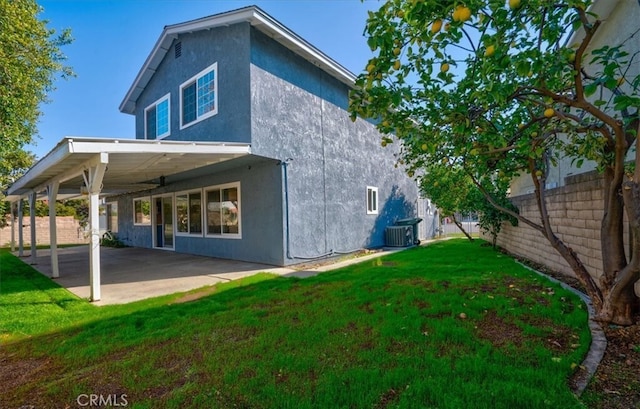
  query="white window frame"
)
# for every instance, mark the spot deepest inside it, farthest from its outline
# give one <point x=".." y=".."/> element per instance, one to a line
<point x="140" y="199"/>
<point x="155" y="105"/>
<point x="212" y="67"/>
<point x="205" y="200"/>
<point x="372" y="205"/>
<point x="175" y="211"/>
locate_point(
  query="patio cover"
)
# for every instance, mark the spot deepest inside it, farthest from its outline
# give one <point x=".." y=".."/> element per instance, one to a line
<point x="102" y="167"/>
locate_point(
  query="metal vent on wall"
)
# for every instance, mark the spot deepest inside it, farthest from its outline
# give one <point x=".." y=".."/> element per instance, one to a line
<point x="398" y="236"/>
<point x="178" y="49"/>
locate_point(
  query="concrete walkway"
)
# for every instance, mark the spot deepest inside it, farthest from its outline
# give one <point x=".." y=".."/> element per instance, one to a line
<point x="132" y="274"/>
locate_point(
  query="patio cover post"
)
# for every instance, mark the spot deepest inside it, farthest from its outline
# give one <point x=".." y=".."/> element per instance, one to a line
<point x="52" y="191"/>
<point x="20" y="228"/>
<point x="32" y="217"/>
<point x="93" y="180"/>
<point x="13" y="226"/>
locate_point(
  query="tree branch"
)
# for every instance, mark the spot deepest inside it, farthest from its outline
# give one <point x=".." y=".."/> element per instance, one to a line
<point x="503" y="209"/>
<point x="590" y="30"/>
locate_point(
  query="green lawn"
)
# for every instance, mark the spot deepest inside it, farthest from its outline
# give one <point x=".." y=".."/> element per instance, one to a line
<point x="451" y="325"/>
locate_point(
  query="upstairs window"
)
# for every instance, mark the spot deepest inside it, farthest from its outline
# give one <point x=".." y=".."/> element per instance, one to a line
<point x="157" y="118"/>
<point x="372" y="200"/>
<point x="199" y="96"/>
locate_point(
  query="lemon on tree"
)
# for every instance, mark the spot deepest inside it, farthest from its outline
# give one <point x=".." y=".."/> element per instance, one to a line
<point x="461" y="13"/>
<point x="371" y="67"/>
<point x="514" y="4"/>
<point x="490" y="50"/>
<point x="436" y="26"/>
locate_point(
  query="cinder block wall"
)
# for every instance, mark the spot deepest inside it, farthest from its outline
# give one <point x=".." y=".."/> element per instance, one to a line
<point x="69" y="231"/>
<point x="576" y="211"/>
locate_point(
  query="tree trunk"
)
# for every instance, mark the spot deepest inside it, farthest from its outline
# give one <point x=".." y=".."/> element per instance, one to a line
<point x="619" y="299"/>
<point x="457" y="223"/>
<point x="612" y="227"/>
<point x="619" y="309"/>
<point x="565" y="251"/>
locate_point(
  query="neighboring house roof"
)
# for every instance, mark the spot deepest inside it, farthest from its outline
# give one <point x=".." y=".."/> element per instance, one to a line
<point x="252" y="15"/>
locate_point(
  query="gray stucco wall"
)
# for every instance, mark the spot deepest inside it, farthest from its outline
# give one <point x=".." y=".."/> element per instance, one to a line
<point x="261" y="215"/>
<point x="229" y="47"/>
<point x="298" y="112"/>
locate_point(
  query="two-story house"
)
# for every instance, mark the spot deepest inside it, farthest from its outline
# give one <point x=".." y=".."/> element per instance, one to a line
<point x="315" y="182"/>
<point x="244" y="150"/>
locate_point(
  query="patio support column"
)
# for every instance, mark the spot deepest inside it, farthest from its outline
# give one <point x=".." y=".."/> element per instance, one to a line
<point x="20" y="228"/>
<point x="13" y="226"/>
<point x="52" y="191"/>
<point x="32" y="217"/>
<point x="93" y="180"/>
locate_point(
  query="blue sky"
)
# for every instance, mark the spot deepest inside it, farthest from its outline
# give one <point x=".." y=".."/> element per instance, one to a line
<point x="113" y="39"/>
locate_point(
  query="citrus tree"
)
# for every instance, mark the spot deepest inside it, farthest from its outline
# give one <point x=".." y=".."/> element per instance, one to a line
<point x="495" y="88"/>
<point x="451" y="191"/>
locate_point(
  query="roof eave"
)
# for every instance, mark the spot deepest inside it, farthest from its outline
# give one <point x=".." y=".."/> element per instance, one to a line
<point x="57" y="154"/>
<point x="69" y="146"/>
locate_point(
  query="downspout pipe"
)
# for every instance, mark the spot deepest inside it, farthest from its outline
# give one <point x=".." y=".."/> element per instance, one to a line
<point x="285" y="179"/>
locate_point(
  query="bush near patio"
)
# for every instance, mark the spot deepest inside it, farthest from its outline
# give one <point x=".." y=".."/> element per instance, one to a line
<point x="452" y="325"/>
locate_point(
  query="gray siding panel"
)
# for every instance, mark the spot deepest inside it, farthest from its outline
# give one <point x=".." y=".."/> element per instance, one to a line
<point x="130" y="234"/>
<point x="333" y="161"/>
<point x="229" y="47"/>
<point x="261" y="216"/>
<point x="293" y="69"/>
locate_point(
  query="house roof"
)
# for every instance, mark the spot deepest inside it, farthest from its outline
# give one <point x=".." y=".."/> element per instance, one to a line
<point x="132" y="165"/>
<point x="252" y="15"/>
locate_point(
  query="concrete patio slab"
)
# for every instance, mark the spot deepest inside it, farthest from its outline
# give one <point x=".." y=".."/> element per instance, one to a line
<point x="131" y="273"/>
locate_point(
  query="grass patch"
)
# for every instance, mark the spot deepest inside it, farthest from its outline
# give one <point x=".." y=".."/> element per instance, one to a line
<point x="451" y="325"/>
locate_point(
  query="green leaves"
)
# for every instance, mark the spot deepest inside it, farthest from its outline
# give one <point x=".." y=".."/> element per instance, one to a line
<point x="30" y="59"/>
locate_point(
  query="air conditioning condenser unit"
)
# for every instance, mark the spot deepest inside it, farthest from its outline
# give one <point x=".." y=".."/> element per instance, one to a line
<point x="398" y="236"/>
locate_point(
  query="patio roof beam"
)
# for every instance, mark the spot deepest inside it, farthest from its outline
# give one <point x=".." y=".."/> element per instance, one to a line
<point x="69" y="174"/>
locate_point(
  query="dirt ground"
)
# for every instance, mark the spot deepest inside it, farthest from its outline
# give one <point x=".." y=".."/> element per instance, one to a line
<point x="617" y="379"/>
<point x="618" y="376"/>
